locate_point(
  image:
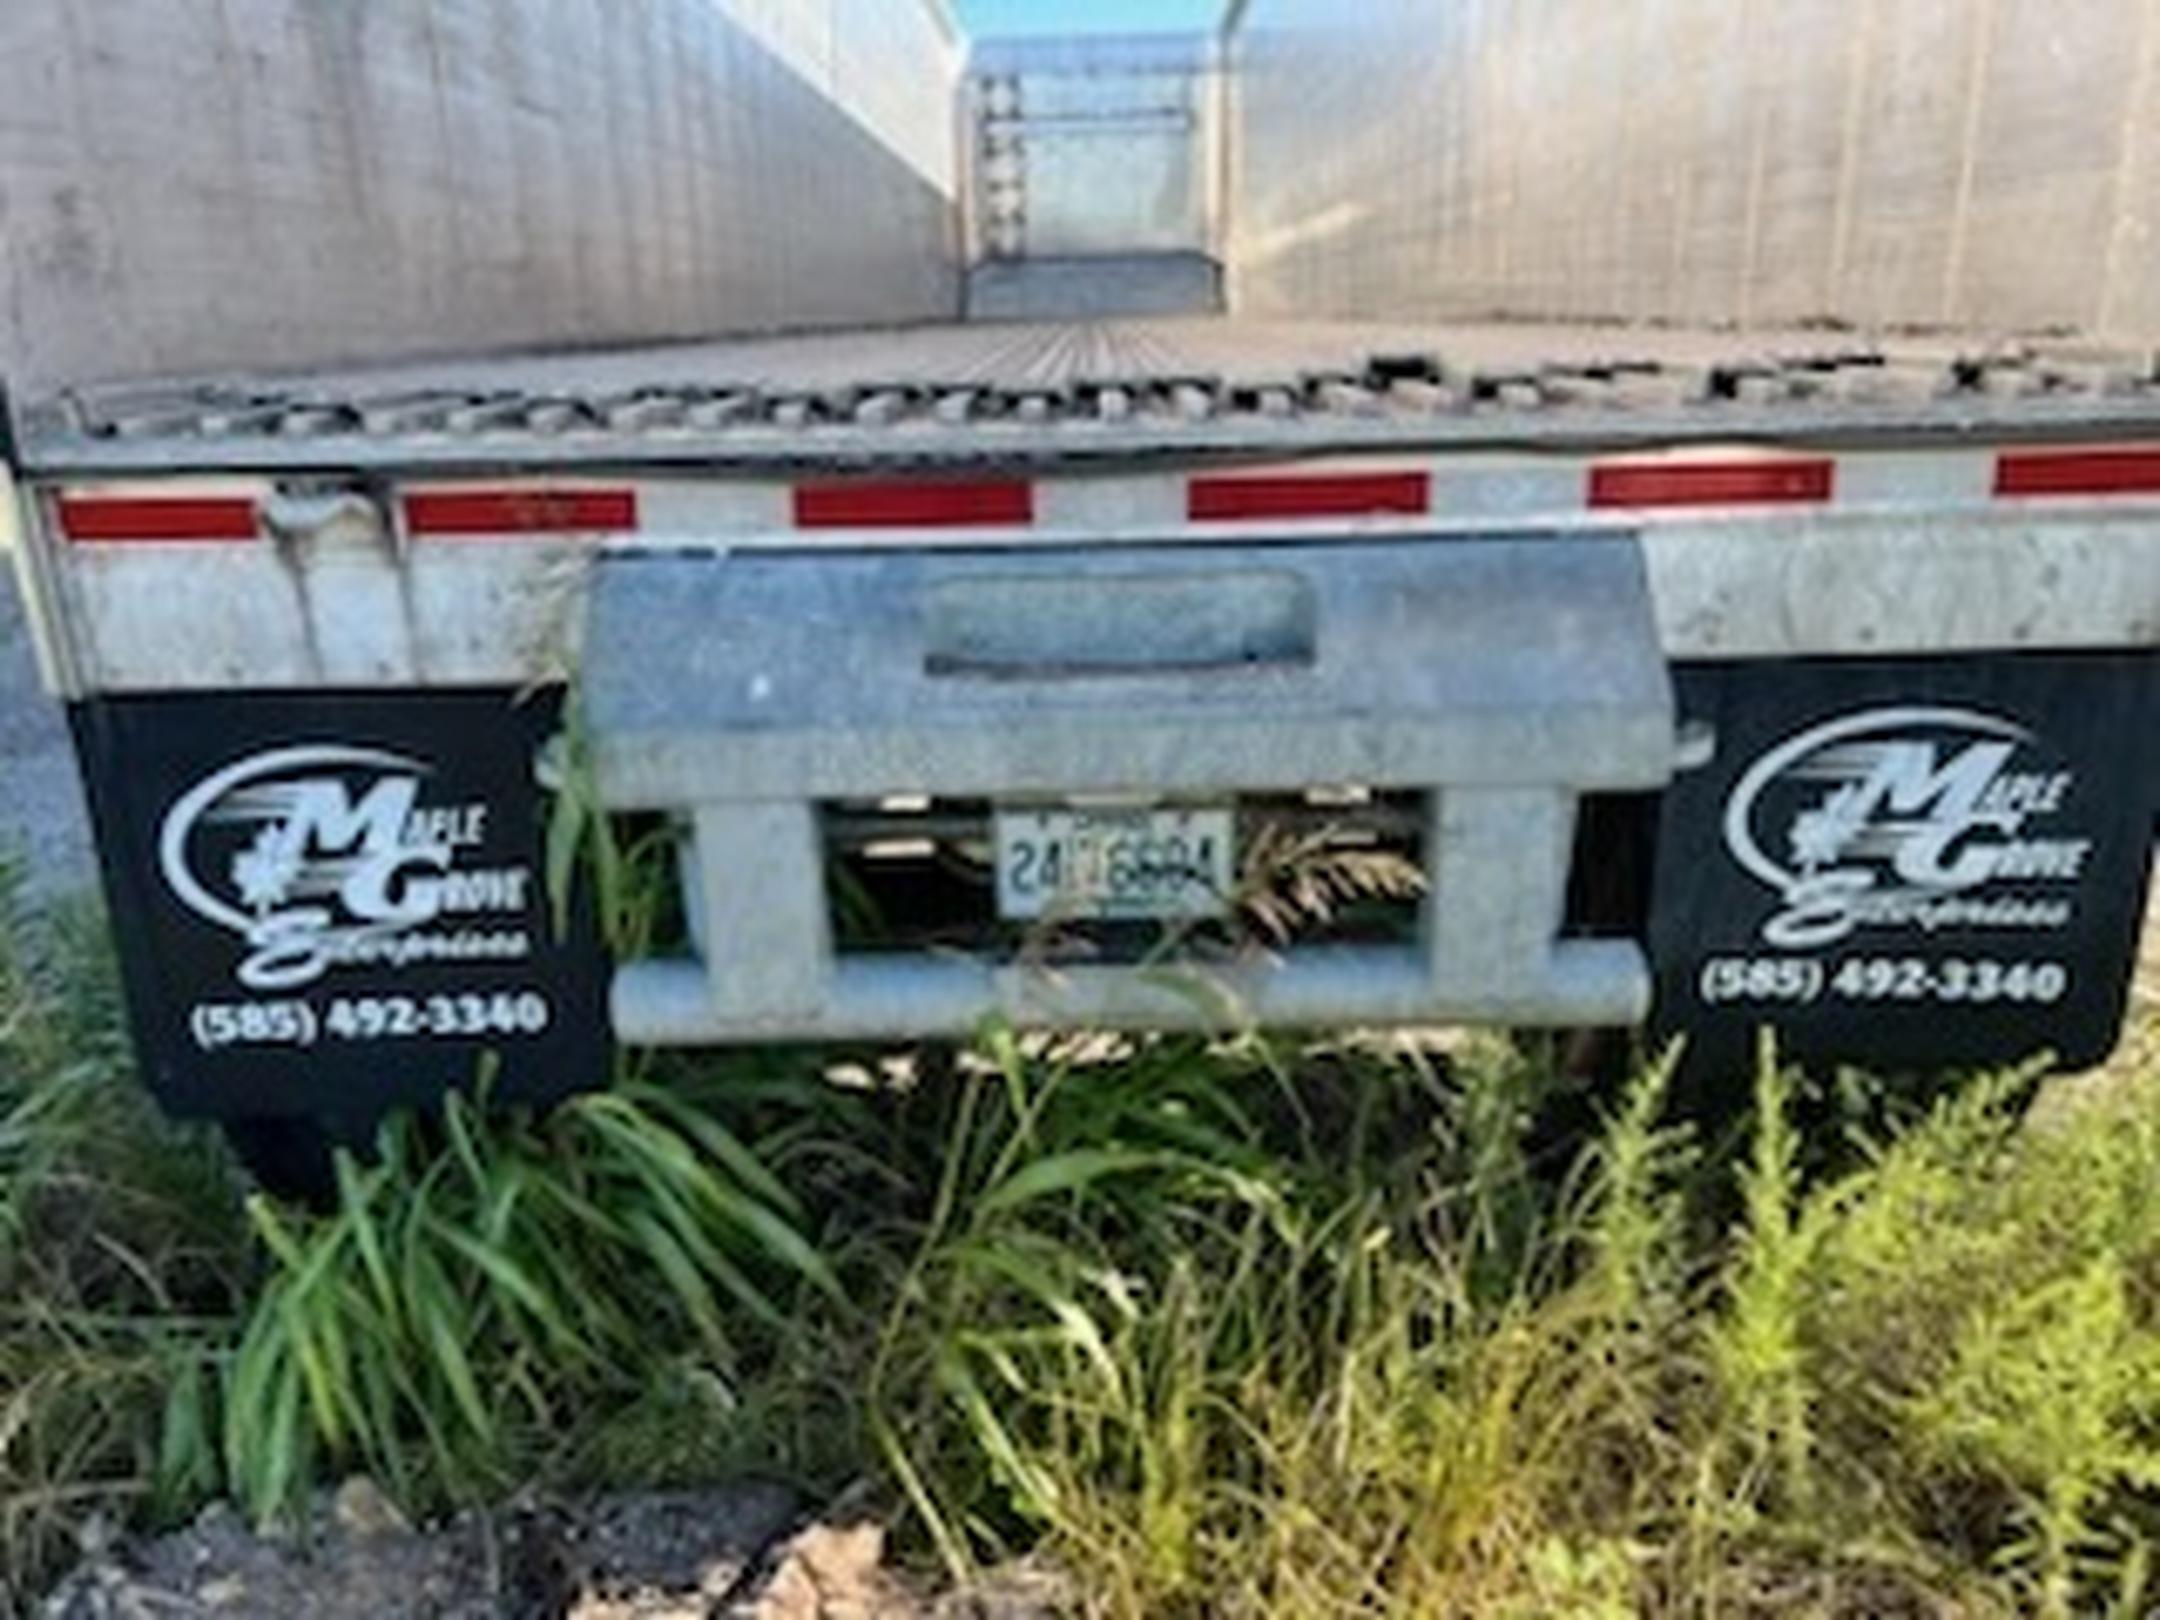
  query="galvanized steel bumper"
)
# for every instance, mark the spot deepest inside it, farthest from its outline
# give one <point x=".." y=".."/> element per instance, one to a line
<point x="1503" y="679"/>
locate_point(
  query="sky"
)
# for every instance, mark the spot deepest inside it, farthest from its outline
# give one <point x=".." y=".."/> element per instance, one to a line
<point x="987" y="18"/>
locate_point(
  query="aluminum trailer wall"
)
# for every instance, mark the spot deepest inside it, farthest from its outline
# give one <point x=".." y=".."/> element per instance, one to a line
<point x="192" y="184"/>
<point x="1988" y="163"/>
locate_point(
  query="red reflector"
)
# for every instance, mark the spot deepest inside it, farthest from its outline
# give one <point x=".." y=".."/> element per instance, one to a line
<point x="93" y="517"/>
<point x="913" y="504"/>
<point x="1308" y="496"/>
<point x="521" y="511"/>
<point x="1713" y="483"/>
<point x="2079" y="472"/>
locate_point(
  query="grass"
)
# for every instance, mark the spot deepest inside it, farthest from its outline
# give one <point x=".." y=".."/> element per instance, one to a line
<point x="1231" y="1328"/>
<point x="123" y="1262"/>
<point x="473" y="1293"/>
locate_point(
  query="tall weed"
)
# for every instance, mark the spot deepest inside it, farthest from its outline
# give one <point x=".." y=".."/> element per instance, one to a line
<point x="464" y="1304"/>
<point x="122" y="1258"/>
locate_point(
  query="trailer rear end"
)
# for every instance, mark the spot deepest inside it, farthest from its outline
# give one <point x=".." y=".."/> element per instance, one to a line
<point x="1615" y="673"/>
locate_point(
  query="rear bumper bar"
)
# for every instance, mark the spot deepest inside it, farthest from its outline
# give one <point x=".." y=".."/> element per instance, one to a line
<point x="1500" y="681"/>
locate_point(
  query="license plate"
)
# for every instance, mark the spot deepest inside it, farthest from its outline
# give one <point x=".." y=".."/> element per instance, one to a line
<point x="1114" y="864"/>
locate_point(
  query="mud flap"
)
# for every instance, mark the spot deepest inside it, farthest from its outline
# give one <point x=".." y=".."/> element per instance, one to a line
<point x="331" y="905"/>
<point x="1906" y="865"/>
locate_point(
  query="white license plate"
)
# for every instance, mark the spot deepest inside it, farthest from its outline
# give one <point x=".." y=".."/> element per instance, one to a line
<point x="1116" y="864"/>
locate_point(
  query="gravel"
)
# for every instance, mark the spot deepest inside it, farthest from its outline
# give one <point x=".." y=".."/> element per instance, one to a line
<point x="41" y="807"/>
<point x="747" y="1552"/>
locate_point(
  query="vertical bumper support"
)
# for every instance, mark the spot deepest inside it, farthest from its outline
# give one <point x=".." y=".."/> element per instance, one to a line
<point x="760" y="862"/>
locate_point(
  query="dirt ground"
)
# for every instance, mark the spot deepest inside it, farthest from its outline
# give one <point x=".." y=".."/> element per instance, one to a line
<point x="749" y="1553"/>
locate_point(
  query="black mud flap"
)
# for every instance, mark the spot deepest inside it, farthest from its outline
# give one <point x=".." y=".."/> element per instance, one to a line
<point x="331" y="905"/>
<point x="1906" y="865"/>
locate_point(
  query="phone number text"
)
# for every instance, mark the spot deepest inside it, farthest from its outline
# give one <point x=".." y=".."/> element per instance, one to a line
<point x="219" y="1025"/>
<point x="1799" y="981"/>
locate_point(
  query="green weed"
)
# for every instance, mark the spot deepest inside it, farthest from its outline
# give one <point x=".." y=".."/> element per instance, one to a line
<point x="122" y="1258"/>
<point x="1227" y="1327"/>
<point x="465" y="1303"/>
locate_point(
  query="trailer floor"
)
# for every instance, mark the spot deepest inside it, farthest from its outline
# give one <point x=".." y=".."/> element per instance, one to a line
<point x="1036" y="353"/>
<point x="1143" y="388"/>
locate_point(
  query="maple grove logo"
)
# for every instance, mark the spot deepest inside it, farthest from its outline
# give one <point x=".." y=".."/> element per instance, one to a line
<point x="1913" y="817"/>
<point x="326" y="855"/>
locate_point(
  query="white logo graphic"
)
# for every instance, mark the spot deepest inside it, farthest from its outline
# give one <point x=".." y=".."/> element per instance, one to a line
<point x="324" y="856"/>
<point x="1904" y="818"/>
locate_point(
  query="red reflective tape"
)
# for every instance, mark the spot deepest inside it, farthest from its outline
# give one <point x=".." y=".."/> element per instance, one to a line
<point x="521" y="511"/>
<point x="1783" y="482"/>
<point x="115" y="517"/>
<point x="2078" y="472"/>
<point x="913" y="504"/>
<point x="1307" y="495"/>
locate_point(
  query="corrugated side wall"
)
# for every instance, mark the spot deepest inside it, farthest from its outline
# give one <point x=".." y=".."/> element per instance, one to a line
<point x="206" y="184"/>
<point x="1940" y="162"/>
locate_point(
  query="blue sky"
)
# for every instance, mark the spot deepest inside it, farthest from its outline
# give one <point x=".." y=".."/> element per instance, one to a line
<point x="985" y="18"/>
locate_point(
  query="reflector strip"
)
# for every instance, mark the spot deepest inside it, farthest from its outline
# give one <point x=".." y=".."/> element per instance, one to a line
<point x="1308" y="495"/>
<point x="521" y="511"/>
<point x="914" y="504"/>
<point x="1779" y="482"/>
<point x="101" y="517"/>
<point x="2079" y="472"/>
